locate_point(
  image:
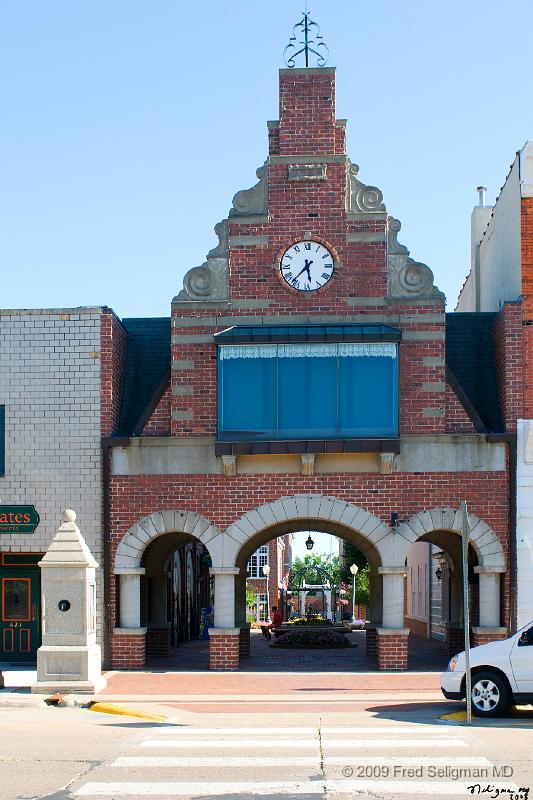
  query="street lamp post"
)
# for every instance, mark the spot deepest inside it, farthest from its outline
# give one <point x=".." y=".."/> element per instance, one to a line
<point x="354" y="569"/>
<point x="266" y="573"/>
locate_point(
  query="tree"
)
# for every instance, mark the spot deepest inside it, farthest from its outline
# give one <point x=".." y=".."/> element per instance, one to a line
<point x="352" y="556"/>
<point x="251" y="600"/>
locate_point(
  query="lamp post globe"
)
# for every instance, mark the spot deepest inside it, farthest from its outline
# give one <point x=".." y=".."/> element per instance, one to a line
<point x="354" y="569"/>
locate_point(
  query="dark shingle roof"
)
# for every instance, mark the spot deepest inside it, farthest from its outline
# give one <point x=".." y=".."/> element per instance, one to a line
<point x="147" y="364"/>
<point x="470" y="356"/>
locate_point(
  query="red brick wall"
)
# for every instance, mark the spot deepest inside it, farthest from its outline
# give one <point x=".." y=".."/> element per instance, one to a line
<point x="159" y="422"/>
<point x="293" y="207"/>
<point x="222" y="501"/>
<point x="457" y="419"/>
<point x="508" y="352"/>
<point x="113" y="352"/>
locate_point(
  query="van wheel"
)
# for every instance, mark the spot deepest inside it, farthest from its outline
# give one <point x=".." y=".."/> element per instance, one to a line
<point x="491" y="695"/>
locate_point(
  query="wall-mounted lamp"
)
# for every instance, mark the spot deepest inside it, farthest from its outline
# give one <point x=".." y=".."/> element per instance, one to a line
<point x="309" y="543"/>
<point x="394" y="520"/>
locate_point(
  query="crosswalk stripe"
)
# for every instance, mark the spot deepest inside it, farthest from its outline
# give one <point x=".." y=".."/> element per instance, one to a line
<point x="375" y="730"/>
<point x="214" y="761"/>
<point x="120" y="789"/>
<point x="297" y="761"/>
<point x="195" y="789"/>
<point x="303" y="744"/>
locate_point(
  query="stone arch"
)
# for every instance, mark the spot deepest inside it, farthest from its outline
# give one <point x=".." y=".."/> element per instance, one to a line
<point x="488" y="548"/>
<point x="372" y="535"/>
<point x="135" y="541"/>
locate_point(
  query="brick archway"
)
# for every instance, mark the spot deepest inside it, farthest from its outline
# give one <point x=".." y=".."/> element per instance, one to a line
<point x="370" y="533"/>
<point x="485" y="542"/>
<point x="135" y="541"/>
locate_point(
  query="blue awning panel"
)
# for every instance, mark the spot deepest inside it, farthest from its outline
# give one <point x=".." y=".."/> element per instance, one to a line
<point x="308" y="333"/>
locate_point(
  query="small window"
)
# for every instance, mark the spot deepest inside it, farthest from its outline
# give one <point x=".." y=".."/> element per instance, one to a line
<point x="257" y="562"/>
<point x="2" y="440"/>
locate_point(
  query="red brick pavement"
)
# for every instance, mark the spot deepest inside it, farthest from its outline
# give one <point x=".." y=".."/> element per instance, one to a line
<point x="182" y="684"/>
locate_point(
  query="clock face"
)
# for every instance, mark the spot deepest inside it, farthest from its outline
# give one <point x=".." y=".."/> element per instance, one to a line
<point x="306" y="266"/>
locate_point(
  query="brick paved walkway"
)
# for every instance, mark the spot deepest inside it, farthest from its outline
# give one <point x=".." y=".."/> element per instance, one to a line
<point x="424" y="656"/>
<point x="307" y="679"/>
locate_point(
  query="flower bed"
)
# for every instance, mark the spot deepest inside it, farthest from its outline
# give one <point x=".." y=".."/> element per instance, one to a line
<point x="312" y="639"/>
<point x="312" y="619"/>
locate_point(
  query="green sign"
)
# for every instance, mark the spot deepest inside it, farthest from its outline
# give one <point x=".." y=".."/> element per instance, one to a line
<point x="18" y="519"/>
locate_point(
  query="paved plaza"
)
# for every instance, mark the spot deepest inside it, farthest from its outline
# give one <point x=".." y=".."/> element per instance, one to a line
<point x="424" y="656"/>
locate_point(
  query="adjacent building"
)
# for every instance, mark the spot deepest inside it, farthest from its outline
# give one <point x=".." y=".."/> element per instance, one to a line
<point x="50" y="456"/>
<point x="499" y="288"/>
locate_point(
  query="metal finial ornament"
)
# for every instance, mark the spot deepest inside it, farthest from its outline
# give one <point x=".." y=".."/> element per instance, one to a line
<point x="308" y="33"/>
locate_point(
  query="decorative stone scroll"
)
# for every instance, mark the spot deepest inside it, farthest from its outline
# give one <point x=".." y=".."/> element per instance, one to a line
<point x="406" y="277"/>
<point x="252" y="201"/>
<point x="363" y="199"/>
<point x="209" y="282"/>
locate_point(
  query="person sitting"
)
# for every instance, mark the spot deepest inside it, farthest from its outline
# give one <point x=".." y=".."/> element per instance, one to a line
<point x="276" y="622"/>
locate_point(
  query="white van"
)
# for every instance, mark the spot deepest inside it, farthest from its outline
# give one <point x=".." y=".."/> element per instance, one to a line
<point x="502" y="675"/>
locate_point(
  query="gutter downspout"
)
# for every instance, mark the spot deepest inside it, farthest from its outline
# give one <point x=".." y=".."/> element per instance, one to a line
<point x="513" y="554"/>
<point x="106" y="551"/>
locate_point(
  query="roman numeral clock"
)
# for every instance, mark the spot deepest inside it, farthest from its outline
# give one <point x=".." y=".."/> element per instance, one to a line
<point x="306" y="266"/>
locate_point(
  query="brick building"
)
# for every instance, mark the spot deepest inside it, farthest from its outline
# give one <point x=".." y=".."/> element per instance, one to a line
<point x="277" y="554"/>
<point x="308" y="379"/>
<point x="499" y="288"/>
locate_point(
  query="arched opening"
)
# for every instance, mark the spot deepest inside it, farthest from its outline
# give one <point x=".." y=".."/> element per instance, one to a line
<point x="312" y="599"/>
<point x="434" y="606"/>
<point x="176" y="593"/>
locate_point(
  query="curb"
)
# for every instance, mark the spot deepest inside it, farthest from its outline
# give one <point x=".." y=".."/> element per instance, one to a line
<point x="14" y="700"/>
<point x="108" y="708"/>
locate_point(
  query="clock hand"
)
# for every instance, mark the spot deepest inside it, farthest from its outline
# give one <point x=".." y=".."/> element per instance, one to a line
<point x="305" y="269"/>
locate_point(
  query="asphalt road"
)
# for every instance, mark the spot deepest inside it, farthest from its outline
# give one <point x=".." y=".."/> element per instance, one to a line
<point x="65" y="754"/>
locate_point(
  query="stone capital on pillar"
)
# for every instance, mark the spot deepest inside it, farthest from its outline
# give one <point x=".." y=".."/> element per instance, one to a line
<point x="482" y="570"/>
<point x="224" y="571"/>
<point x="132" y="571"/>
<point x="392" y="571"/>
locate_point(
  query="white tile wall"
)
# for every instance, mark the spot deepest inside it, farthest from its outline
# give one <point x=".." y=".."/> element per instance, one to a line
<point x="50" y="387"/>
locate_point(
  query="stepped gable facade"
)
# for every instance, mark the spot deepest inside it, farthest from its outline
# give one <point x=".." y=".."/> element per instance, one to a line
<point x="308" y="378"/>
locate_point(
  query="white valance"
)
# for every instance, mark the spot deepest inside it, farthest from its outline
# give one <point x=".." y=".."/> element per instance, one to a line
<point x="309" y="350"/>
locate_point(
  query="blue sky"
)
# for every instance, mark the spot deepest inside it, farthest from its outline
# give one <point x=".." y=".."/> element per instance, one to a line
<point x="324" y="544"/>
<point x="127" y="126"/>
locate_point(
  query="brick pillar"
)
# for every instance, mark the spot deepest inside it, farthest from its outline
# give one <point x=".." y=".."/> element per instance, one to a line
<point x="454" y="639"/>
<point x="392" y="646"/>
<point x="485" y="635"/>
<point x="244" y="641"/>
<point x="371" y="640"/>
<point x="224" y="648"/>
<point x="128" y="648"/>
